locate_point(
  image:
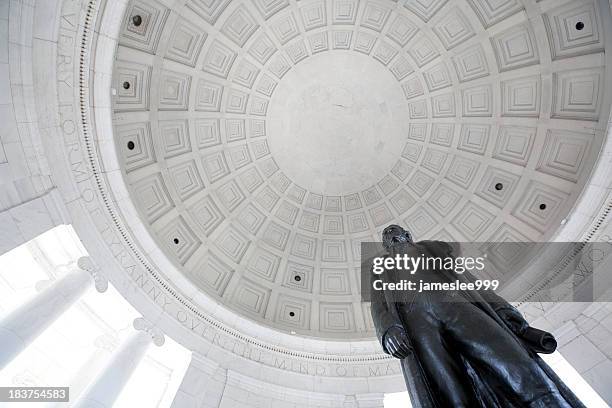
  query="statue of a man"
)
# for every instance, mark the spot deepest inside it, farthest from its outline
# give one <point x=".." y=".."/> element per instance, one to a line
<point x="470" y="353"/>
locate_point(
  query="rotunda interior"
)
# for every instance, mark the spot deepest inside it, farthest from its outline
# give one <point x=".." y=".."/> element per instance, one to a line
<point x="214" y="166"/>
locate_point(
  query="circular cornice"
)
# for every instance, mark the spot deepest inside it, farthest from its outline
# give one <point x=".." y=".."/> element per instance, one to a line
<point x="495" y="147"/>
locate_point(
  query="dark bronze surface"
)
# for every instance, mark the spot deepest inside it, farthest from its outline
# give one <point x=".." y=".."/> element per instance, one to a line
<point x="478" y="352"/>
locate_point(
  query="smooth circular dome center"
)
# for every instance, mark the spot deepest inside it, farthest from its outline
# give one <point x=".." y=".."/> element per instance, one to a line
<point x="337" y="123"/>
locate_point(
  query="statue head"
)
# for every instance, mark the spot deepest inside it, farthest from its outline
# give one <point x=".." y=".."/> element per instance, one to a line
<point x="395" y="234"/>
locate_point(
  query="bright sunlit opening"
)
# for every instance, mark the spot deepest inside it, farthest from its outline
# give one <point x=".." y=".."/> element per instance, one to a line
<point x="397" y="400"/>
<point x="79" y="343"/>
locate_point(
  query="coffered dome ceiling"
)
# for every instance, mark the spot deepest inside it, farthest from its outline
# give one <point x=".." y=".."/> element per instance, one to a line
<point x="263" y="140"/>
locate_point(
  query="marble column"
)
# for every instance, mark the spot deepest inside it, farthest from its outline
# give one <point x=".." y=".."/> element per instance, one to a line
<point x="108" y="384"/>
<point x="105" y="345"/>
<point x="20" y="327"/>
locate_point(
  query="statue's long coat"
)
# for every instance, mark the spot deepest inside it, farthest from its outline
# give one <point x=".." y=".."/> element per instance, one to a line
<point x="385" y="315"/>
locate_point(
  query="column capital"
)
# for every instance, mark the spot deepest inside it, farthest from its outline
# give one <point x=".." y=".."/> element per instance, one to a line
<point x="142" y="324"/>
<point x="100" y="281"/>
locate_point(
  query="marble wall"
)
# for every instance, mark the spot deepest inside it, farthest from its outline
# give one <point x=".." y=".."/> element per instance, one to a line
<point x="29" y="204"/>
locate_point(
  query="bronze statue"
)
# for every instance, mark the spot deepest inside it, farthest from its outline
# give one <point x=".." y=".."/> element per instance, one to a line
<point x="478" y="352"/>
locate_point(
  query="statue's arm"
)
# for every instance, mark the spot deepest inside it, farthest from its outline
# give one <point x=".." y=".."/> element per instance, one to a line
<point x="383" y="320"/>
<point x="497" y="302"/>
<point x="382" y="317"/>
<point x="508" y="313"/>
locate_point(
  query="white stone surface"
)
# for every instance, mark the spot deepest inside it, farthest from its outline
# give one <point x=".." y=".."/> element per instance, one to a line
<point x="103" y="391"/>
<point x="24" y="324"/>
<point x="238" y="154"/>
<point x="337" y="123"/>
<point x="46" y="144"/>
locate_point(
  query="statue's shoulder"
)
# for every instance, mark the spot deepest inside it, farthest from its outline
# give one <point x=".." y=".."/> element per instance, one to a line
<point x="432" y="243"/>
<point x="437" y="247"/>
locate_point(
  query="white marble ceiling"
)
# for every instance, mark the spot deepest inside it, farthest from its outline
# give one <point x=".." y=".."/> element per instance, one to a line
<point x="263" y="140"/>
